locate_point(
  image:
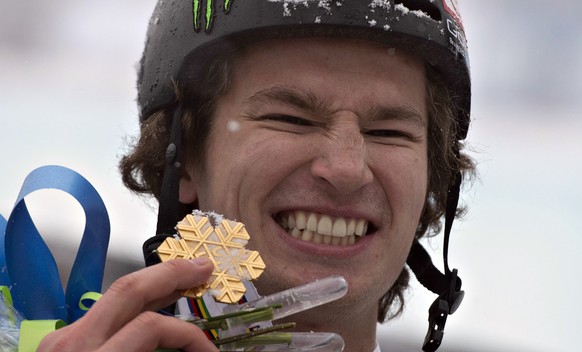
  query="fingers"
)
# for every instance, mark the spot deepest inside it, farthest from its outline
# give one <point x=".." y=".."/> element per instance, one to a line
<point x="150" y="330"/>
<point x="63" y="340"/>
<point x="146" y="332"/>
<point x="151" y="288"/>
<point x="136" y="292"/>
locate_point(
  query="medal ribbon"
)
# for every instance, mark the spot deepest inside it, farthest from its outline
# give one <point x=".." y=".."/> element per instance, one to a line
<point x="29" y="268"/>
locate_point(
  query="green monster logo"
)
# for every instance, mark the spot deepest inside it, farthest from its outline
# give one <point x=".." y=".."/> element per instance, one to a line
<point x="208" y="13"/>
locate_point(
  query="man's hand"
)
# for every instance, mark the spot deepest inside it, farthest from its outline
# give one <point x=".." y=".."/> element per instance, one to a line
<point x="124" y="319"/>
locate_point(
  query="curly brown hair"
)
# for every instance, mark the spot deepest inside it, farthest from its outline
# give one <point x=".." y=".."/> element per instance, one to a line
<point x="142" y="167"/>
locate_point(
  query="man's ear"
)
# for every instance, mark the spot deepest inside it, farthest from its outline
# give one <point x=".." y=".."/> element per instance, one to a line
<point x="187" y="193"/>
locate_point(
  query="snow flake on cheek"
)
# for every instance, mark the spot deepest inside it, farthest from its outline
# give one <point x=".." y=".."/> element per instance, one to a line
<point x="233" y="126"/>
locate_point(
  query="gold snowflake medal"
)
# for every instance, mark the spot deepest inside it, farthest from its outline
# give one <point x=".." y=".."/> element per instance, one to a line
<point x="221" y="240"/>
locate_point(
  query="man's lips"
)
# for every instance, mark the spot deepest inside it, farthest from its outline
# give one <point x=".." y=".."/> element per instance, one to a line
<point x="321" y="228"/>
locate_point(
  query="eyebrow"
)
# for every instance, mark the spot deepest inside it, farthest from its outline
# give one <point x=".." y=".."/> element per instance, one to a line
<point x="311" y="103"/>
<point x="399" y="113"/>
<point x="287" y="95"/>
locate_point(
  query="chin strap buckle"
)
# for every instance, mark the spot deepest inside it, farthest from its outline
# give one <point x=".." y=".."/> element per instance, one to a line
<point x="149" y="249"/>
<point x="445" y="305"/>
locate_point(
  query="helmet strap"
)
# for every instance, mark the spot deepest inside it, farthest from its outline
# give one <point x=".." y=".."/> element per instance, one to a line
<point x="169" y="206"/>
<point x="447" y="285"/>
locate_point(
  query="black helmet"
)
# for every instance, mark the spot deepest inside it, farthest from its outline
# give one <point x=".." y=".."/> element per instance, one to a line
<point x="191" y="34"/>
<point x="195" y="31"/>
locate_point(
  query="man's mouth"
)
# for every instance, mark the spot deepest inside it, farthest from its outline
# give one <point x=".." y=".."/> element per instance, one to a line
<point x="322" y="229"/>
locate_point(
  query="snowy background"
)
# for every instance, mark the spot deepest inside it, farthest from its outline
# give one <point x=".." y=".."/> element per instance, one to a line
<point x="67" y="96"/>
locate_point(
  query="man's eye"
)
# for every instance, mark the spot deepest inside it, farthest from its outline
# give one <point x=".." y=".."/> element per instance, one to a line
<point x="294" y="120"/>
<point x="387" y="134"/>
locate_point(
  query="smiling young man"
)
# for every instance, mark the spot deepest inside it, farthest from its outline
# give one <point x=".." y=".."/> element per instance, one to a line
<point x="336" y="138"/>
<point x="331" y="129"/>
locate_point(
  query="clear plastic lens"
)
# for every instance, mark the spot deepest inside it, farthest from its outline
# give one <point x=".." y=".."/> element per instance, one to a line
<point x="301" y="341"/>
<point x="292" y="301"/>
<point x="303" y="297"/>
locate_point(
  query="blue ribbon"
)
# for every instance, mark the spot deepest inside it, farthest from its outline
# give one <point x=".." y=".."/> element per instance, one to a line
<point x="29" y="267"/>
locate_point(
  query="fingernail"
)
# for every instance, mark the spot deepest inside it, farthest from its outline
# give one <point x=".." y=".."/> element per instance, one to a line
<point x="202" y="261"/>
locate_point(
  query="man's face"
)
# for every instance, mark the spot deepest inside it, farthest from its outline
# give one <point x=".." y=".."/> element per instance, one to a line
<point x="330" y="131"/>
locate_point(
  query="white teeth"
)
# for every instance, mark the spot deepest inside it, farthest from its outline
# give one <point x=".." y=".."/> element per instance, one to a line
<point x="351" y="226"/>
<point x="360" y="227"/>
<point x="317" y="238"/>
<point x="296" y="233"/>
<point x="339" y="228"/>
<point x="291" y="221"/>
<point x="307" y="235"/>
<point x="300" y="220"/>
<point x="324" y="225"/>
<point x="312" y="222"/>
<point x="327" y="239"/>
<point x="344" y="240"/>
<point x="324" y="229"/>
<point x="285" y="223"/>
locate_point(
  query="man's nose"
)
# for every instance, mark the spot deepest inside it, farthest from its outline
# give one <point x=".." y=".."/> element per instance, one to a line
<point x="342" y="161"/>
